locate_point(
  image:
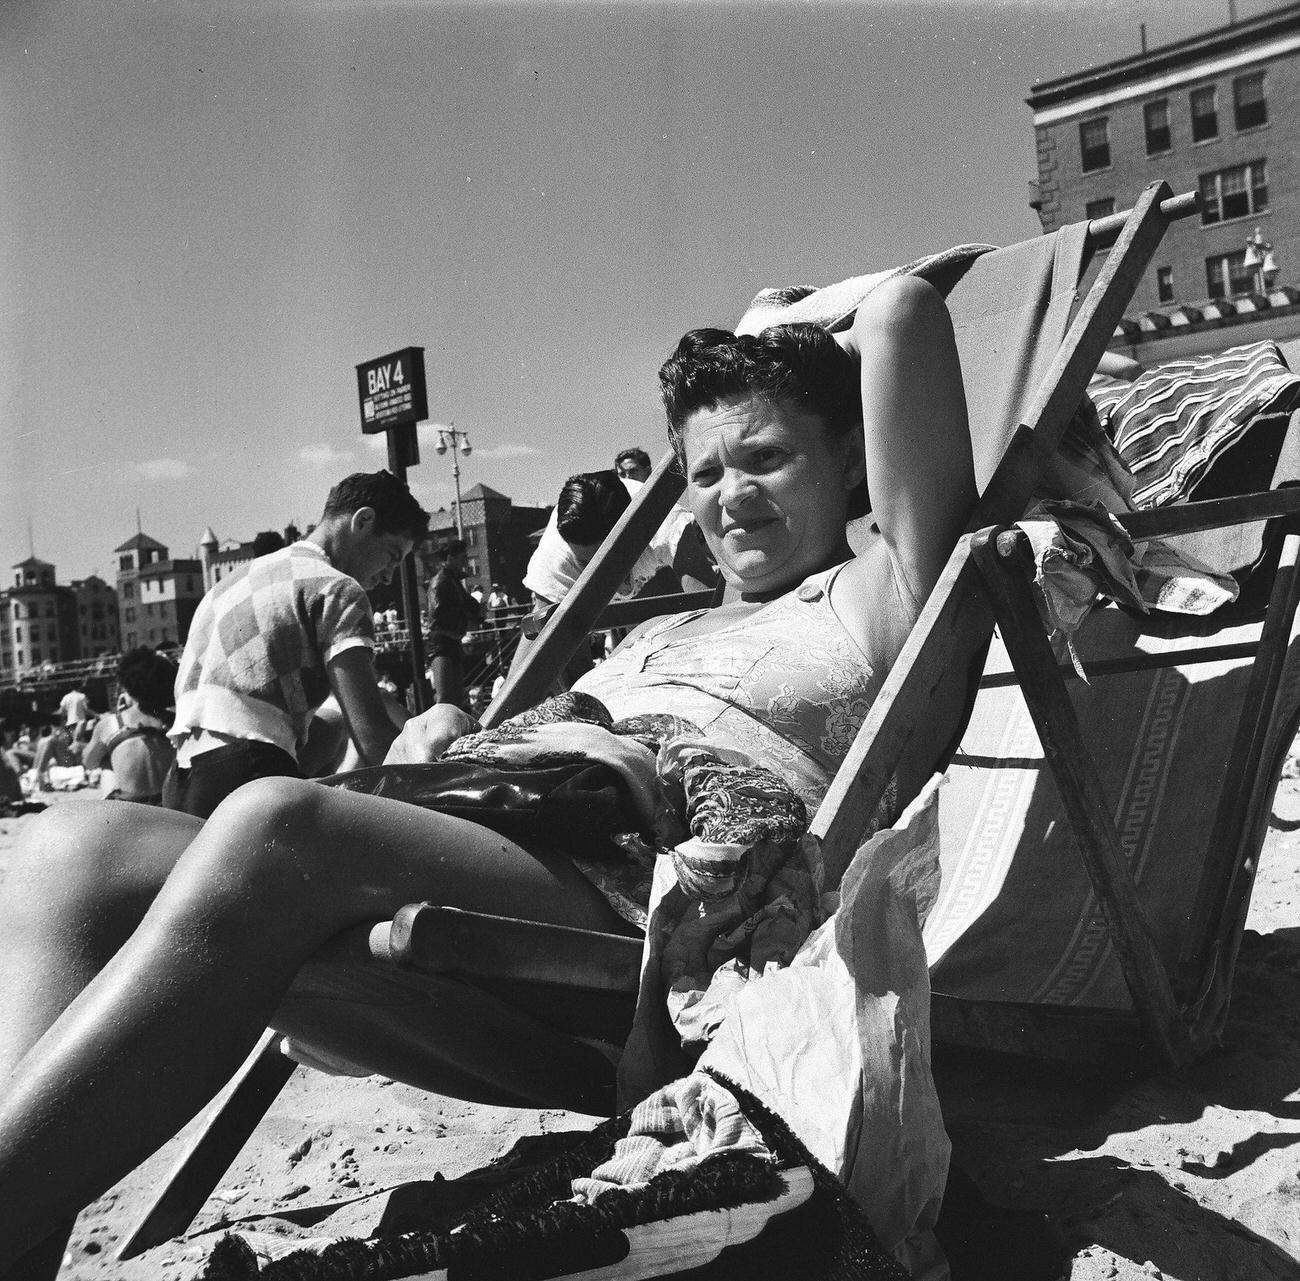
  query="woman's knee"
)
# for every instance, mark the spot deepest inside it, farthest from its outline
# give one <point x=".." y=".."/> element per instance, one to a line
<point x="271" y="828"/>
<point x="103" y="854"/>
<point x="268" y="806"/>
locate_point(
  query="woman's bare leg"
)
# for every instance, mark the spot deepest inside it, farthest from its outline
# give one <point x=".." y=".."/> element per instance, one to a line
<point x="279" y="868"/>
<point x="80" y="882"/>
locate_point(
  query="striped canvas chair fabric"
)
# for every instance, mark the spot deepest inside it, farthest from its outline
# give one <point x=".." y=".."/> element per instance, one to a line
<point x="1176" y="421"/>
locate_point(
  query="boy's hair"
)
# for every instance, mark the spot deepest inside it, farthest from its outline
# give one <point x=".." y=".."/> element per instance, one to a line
<point x="451" y="548"/>
<point x="150" y="679"/>
<point x="634" y="455"/>
<point x="799" y="365"/>
<point x="396" y="511"/>
<point x="589" y="507"/>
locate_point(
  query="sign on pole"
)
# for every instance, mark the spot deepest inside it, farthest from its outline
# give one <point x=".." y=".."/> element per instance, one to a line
<point x="392" y="392"/>
<point x="393" y="400"/>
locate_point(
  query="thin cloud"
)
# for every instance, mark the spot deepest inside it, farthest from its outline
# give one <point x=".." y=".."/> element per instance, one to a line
<point x="323" y="455"/>
<point x="164" y="469"/>
<point x="499" y="452"/>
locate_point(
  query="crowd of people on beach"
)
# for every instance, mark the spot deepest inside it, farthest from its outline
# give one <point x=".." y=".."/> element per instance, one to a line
<point x="123" y="750"/>
<point x="123" y="747"/>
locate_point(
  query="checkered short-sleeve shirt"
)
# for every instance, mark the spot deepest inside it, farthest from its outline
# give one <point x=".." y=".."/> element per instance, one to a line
<point x="254" y="665"/>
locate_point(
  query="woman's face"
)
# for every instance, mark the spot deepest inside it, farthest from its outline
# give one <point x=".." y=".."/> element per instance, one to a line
<point x="768" y="486"/>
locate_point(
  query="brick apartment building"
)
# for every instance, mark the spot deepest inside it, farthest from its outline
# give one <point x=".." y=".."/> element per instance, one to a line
<point x="38" y="619"/>
<point x="496" y="539"/>
<point x="156" y="596"/>
<point x="221" y="561"/>
<point x="1217" y="113"/>
<point x="98" y="623"/>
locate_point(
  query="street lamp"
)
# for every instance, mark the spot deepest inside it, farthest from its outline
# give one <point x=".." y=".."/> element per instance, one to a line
<point x="1259" y="257"/>
<point x="452" y="437"/>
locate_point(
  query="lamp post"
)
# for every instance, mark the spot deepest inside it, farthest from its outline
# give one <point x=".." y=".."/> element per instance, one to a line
<point x="1259" y="257"/>
<point x="453" y="438"/>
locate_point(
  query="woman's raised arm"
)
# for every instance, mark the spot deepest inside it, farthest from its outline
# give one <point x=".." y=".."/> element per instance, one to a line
<point x="918" y="456"/>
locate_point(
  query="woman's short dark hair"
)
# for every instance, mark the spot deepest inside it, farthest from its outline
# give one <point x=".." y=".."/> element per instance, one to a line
<point x="150" y="679"/>
<point x="589" y="507"/>
<point x="799" y="365"/>
<point x="396" y="511"/>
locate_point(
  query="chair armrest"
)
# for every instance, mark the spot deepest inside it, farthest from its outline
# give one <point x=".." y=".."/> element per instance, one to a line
<point x="1214" y="513"/>
<point x="448" y="940"/>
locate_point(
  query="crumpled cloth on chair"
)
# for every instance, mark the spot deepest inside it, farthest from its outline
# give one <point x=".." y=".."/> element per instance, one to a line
<point x="751" y="875"/>
<point x="1082" y="554"/>
<point x="838" y="1042"/>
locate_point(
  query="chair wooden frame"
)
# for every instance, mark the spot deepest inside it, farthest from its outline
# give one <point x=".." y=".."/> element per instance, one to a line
<point x="983" y="582"/>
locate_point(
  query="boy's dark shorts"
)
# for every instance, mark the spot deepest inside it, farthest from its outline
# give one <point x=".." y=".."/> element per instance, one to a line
<point x="211" y="776"/>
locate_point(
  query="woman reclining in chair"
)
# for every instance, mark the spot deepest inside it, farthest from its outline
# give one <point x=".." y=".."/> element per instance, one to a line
<point x="143" y="952"/>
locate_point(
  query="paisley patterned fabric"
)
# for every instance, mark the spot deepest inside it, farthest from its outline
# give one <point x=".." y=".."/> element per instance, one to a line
<point x="786" y="685"/>
<point x="744" y="821"/>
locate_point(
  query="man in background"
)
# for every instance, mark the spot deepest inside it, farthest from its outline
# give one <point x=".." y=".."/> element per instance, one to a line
<point x="632" y="464"/>
<point x="589" y="506"/>
<point x="452" y="613"/>
<point x="268" y="645"/>
<point x="75" y="707"/>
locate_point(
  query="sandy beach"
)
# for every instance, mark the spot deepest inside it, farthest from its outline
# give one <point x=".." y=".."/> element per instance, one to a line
<point x="1192" y="1178"/>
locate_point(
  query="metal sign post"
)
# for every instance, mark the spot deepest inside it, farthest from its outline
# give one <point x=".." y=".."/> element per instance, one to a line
<point x="393" y="399"/>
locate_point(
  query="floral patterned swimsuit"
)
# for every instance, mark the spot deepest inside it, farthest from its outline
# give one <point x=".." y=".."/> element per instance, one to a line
<point x="786" y="684"/>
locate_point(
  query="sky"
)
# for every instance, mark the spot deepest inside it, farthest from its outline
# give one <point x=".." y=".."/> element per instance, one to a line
<point x="212" y="211"/>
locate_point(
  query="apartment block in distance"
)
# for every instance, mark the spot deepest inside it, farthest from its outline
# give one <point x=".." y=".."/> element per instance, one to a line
<point x="156" y="596"/>
<point x="497" y="539"/>
<point x="38" y="620"/>
<point x="1217" y="113"/>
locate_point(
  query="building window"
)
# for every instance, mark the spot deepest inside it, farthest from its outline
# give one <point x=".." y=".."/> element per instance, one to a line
<point x="1205" y="114"/>
<point x="1234" y="193"/>
<point x="1094" y="144"/>
<point x="1165" y="284"/>
<point x="18" y="635"/>
<point x="1227" y="275"/>
<point x="1099" y="208"/>
<point x="1249" y="106"/>
<point x="1155" y="116"/>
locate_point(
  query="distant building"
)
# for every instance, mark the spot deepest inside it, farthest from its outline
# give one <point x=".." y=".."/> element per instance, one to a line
<point x="1218" y="113"/>
<point x="98" y="624"/>
<point x="156" y="596"/>
<point x="496" y="538"/>
<point x="38" y="619"/>
<point x="220" y="562"/>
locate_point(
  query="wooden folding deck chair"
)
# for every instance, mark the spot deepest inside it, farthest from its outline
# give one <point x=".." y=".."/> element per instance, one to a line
<point x="1018" y="419"/>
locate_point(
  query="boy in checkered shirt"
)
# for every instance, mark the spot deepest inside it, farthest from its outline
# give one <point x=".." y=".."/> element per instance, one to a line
<point x="270" y="644"/>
